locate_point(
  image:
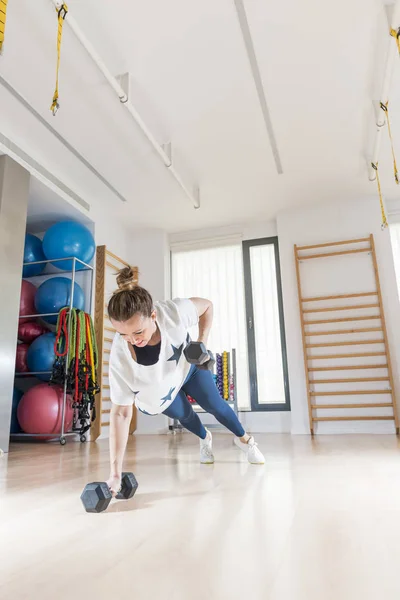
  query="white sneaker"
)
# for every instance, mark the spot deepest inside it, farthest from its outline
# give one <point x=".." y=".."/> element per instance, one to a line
<point x="206" y="453"/>
<point x="254" y="455"/>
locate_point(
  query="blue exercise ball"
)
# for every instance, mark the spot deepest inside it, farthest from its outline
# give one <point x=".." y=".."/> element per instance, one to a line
<point x="15" y="426"/>
<point x="33" y="252"/>
<point x="54" y="294"/>
<point x="41" y="355"/>
<point x="66" y="239"/>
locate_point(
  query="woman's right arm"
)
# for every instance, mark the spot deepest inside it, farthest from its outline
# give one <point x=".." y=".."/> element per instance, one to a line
<point x="121" y="412"/>
<point x="120" y="419"/>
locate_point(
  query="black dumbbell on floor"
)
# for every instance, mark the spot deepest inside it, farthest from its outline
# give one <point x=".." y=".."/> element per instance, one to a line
<point x="197" y="354"/>
<point x="97" y="496"/>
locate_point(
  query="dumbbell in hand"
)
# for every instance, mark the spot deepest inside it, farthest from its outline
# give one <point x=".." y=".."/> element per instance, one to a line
<point x="97" y="496"/>
<point x="197" y="354"/>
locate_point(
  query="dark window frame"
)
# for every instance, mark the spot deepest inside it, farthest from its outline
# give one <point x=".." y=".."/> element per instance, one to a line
<point x="251" y="343"/>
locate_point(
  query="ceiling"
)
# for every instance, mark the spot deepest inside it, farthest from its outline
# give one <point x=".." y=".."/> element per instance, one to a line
<point x="321" y="65"/>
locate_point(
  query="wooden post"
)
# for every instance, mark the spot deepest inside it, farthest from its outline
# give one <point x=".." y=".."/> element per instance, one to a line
<point x="99" y="329"/>
<point x="303" y="335"/>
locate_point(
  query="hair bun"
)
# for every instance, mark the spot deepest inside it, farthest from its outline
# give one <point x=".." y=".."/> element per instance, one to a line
<point x="127" y="279"/>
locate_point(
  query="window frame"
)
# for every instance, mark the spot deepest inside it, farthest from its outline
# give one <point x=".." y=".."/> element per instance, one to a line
<point x="256" y="406"/>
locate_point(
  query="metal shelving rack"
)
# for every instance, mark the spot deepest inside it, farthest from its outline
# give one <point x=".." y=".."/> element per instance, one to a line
<point x="175" y="426"/>
<point x="62" y="436"/>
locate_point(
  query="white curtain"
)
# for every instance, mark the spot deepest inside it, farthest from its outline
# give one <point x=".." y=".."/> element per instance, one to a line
<point x="217" y="274"/>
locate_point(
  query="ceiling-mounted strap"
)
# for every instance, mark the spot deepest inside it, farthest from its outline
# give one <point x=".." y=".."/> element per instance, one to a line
<point x="3" y="14"/>
<point x="61" y="14"/>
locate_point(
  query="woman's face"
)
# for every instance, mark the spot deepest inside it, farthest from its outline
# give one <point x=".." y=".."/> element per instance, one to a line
<point x="138" y="330"/>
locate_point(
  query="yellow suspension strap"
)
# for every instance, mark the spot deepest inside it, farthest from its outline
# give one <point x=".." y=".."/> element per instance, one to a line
<point x="396" y="35"/>
<point x="61" y="14"/>
<point x="384" y="219"/>
<point x="3" y="14"/>
<point x="385" y="109"/>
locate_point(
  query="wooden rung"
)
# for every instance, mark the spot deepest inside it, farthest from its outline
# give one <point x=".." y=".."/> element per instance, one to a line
<point x="343" y="320"/>
<point x="106" y="362"/>
<point x="107" y="339"/>
<point x="339" y="297"/>
<point x="117" y="258"/>
<point x="356" y="343"/>
<point x="351" y="393"/>
<point x="105" y="387"/>
<point x="341" y="253"/>
<point x="349" y="368"/>
<point x="350" y="355"/>
<point x="327" y="244"/>
<point x="380" y="418"/>
<point x="106" y="398"/>
<point x="343" y="331"/>
<point x="111" y="329"/>
<point x="109" y="264"/>
<point x="335" y="308"/>
<point x="105" y="375"/>
<point x="363" y="405"/>
<point x="106" y="316"/>
<point x="107" y="424"/>
<point x="348" y="380"/>
<point x="105" y="351"/>
<point x="106" y="411"/>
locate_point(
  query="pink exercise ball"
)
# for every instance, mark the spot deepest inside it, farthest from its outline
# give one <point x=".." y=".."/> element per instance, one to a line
<point x="27" y="299"/>
<point x="28" y="331"/>
<point x="40" y="410"/>
<point x="21" y="365"/>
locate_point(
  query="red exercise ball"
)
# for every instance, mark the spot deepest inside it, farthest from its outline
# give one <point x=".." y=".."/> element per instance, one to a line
<point x="21" y="366"/>
<point x="40" y="409"/>
<point x="27" y="299"/>
<point x="28" y="331"/>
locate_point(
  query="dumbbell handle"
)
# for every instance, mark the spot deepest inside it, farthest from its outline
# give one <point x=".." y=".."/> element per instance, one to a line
<point x="209" y="363"/>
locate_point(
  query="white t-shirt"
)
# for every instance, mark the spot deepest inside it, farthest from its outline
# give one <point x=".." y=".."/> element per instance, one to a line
<point x="154" y="387"/>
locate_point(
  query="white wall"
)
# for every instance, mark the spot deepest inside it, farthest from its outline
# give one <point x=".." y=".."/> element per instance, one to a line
<point x="264" y="229"/>
<point x="318" y="224"/>
<point x="149" y="250"/>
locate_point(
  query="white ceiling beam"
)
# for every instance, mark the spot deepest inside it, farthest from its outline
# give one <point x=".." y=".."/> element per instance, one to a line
<point x="28" y="106"/>
<point x="255" y="70"/>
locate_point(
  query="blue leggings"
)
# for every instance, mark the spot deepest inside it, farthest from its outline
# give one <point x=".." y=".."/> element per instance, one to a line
<point x="201" y="386"/>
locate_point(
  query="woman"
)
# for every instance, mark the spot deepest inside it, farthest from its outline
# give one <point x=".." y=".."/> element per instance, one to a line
<point x="148" y="368"/>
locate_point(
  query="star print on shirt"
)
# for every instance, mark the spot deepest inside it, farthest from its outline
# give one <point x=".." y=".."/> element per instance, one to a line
<point x="168" y="396"/>
<point x="177" y="353"/>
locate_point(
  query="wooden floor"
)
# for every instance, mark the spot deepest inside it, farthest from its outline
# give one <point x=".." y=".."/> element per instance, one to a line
<point x="320" y="521"/>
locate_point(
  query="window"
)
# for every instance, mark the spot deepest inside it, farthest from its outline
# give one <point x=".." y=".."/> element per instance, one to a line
<point x="269" y="382"/>
<point x="217" y="274"/>
<point x="243" y="282"/>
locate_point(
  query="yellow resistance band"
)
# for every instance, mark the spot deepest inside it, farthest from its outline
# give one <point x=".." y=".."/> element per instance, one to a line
<point x="61" y="14"/>
<point x="385" y="109"/>
<point x="3" y="14"/>
<point x="384" y="220"/>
